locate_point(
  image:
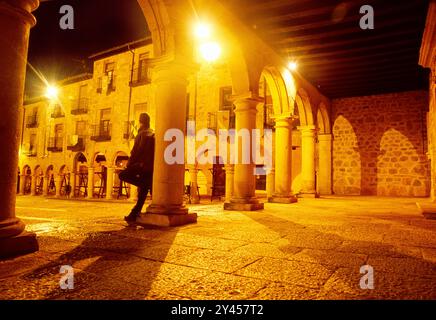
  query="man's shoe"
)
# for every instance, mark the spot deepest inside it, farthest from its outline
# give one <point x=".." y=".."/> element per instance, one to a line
<point x="130" y="219"/>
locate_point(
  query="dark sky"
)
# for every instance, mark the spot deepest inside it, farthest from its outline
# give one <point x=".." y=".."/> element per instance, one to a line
<point x="99" y="25"/>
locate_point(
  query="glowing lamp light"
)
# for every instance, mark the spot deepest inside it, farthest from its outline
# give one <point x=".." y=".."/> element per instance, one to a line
<point x="210" y="51"/>
<point x="52" y="92"/>
<point x="202" y="31"/>
<point x="292" y="65"/>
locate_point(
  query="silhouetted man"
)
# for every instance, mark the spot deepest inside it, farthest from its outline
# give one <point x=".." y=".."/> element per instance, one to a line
<point x="141" y="164"/>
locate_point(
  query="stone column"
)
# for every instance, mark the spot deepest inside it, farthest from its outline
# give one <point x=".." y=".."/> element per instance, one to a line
<point x="73" y="184"/>
<point x="270" y="178"/>
<point x="167" y="207"/>
<point x="15" y="24"/>
<point x="22" y="183"/>
<point x="109" y="182"/>
<point x="90" y="182"/>
<point x="325" y="164"/>
<point x="46" y="183"/>
<point x="33" y="185"/>
<point x="133" y="193"/>
<point x="308" y="189"/>
<point x="270" y="184"/>
<point x="230" y="171"/>
<point x="58" y="183"/>
<point x="283" y="161"/>
<point x="244" y="185"/>
<point x="193" y="173"/>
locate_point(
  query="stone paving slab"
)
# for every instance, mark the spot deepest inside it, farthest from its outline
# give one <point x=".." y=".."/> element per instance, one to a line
<point x="312" y="249"/>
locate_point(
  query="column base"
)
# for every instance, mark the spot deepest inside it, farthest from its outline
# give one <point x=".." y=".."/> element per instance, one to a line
<point x="277" y="199"/>
<point x="235" y="206"/>
<point x="23" y="243"/>
<point x="428" y="210"/>
<point x="312" y="195"/>
<point x="166" y="220"/>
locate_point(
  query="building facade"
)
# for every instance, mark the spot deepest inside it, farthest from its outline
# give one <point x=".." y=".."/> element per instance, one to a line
<point x="75" y="145"/>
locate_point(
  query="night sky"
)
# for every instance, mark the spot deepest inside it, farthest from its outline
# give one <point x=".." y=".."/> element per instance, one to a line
<point x="99" y="25"/>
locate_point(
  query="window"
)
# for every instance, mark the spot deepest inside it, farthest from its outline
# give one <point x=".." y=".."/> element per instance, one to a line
<point x="109" y="67"/>
<point x="80" y="128"/>
<point x="143" y="67"/>
<point x="32" y="144"/>
<point x="225" y="98"/>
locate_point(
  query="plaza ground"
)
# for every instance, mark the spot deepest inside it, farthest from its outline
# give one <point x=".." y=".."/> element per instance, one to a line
<point x="312" y="249"/>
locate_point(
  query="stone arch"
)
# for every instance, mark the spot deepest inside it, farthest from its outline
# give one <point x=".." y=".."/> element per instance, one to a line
<point x="168" y="22"/>
<point x="51" y="183"/>
<point x="277" y="88"/>
<point x="79" y="161"/>
<point x="304" y="106"/>
<point x="27" y="179"/>
<point x="323" y="119"/>
<point x="120" y="159"/>
<point x="400" y="170"/>
<point x="39" y="177"/>
<point x="346" y="155"/>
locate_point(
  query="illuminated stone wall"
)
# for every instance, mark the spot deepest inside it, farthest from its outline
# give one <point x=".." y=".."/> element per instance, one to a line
<point x="380" y="145"/>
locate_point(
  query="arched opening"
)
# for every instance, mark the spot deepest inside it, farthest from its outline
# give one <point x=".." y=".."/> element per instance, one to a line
<point x="323" y="154"/>
<point x="100" y="175"/>
<point x="80" y="175"/>
<point x="346" y="157"/>
<point x="65" y="181"/>
<point x="51" y="184"/>
<point x="296" y="152"/>
<point x="39" y="181"/>
<point x="120" y="188"/>
<point x="27" y="182"/>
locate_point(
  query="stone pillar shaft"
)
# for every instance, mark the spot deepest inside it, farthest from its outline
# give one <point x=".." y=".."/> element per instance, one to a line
<point x="230" y="171"/>
<point x="167" y="207"/>
<point x="90" y="183"/>
<point x="325" y="164"/>
<point x="244" y="185"/>
<point x="193" y="173"/>
<point x="15" y="23"/>
<point x="58" y="183"/>
<point x="109" y="182"/>
<point x="283" y="161"/>
<point x="308" y="161"/>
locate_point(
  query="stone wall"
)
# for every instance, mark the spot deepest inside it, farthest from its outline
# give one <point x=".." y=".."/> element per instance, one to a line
<point x="380" y="145"/>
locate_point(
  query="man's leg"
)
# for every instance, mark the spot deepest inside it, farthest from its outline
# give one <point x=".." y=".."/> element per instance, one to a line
<point x="142" y="195"/>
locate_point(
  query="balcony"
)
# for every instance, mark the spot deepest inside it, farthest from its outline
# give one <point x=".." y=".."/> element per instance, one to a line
<point x="76" y="143"/>
<point x="57" y="112"/>
<point x="32" y="121"/>
<point x="31" y="152"/>
<point x="79" y="106"/>
<point x="102" y="131"/>
<point x="140" y="76"/>
<point x="55" y="144"/>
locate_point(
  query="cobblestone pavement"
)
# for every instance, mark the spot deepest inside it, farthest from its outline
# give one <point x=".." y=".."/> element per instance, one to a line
<point x="313" y="249"/>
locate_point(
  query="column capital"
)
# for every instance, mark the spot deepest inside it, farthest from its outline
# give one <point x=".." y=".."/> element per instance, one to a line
<point x="246" y="103"/>
<point x="284" y="120"/>
<point x="325" y="137"/>
<point x="307" y="130"/>
<point x="20" y="9"/>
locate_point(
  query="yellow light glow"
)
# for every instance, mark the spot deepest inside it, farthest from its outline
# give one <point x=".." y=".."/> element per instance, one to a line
<point x="292" y="65"/>
<point x="210" y="51"/>
<point x="202" y="31"/>
<point x="51" y="92"/>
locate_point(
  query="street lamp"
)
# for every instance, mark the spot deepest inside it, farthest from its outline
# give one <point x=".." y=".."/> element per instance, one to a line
<point x="292" y="65"/>
<point x="210" y="51"/>
<point x="51" y="92"/>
